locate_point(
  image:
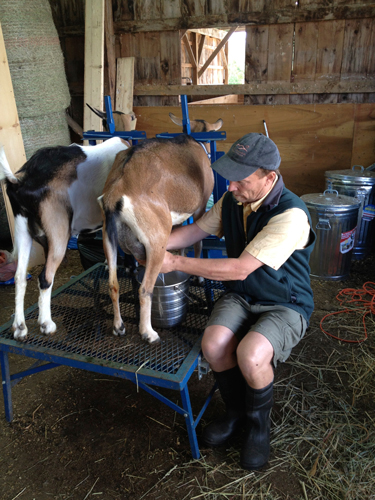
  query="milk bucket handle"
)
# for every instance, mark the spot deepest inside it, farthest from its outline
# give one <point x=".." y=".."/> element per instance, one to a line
<point x="359" y="166"/>
<point x="323" y="224"/>
<point x="178" y="289"/>
<point x="330" y="190"/>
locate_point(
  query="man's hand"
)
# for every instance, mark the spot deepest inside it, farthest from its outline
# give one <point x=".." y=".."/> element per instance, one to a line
<point x="168" y="263"/>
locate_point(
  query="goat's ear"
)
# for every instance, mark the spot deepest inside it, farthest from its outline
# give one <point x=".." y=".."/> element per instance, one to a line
<point x="217" y="125"/>
<point x="99" y="113"/>
<point x="175" y="120"/>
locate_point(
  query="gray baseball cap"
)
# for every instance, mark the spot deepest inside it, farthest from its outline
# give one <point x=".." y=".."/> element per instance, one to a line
<point x="249" y="153"/>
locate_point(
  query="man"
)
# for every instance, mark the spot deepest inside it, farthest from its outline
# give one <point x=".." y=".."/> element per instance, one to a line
<point x="268" y="303"/>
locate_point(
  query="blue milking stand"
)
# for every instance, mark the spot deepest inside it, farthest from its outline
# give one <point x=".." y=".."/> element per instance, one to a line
<point x="83" y="313"/>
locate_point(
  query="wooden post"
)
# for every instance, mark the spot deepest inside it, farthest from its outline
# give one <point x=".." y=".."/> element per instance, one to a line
<point x="110" y="49"/>
<point x="125" y="84"/>
<point x="11" y="138"/>
<point x="94" y="63"/>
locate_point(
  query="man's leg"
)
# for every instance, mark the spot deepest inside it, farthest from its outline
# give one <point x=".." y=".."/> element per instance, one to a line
<point x="254" y="355"/>
<point x="219" y="348"/>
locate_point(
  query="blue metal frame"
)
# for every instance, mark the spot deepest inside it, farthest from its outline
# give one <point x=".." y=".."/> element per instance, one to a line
<point x="143" y="377"/>
<point x="221" y="184"/>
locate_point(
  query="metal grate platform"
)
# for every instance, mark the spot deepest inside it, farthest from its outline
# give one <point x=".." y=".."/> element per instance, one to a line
<point x="82" y="311"/>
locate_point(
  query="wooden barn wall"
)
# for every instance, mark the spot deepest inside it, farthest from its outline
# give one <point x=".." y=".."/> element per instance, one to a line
<point x="307" y="43"/>
<point x="328" y="51"/>
<point x="312" y="138"/>
<point x="162" y="15"/>
<point x="157" y="59"/>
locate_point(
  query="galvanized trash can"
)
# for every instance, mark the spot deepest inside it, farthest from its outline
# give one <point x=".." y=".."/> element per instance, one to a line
<point x="170" y="298"/>
<point x="359" y="183"/>
<point x="334" y="220"/>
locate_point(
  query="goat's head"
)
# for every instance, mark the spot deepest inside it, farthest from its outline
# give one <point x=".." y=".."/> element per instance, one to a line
<point x="123" y="122"/>
<point x="198" y="125"/>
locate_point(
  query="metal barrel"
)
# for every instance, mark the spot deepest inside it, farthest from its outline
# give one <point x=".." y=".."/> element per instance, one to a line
<point x="359" y="183"/>
<point x="170" y="298"/>
<point x="334" y="220"/>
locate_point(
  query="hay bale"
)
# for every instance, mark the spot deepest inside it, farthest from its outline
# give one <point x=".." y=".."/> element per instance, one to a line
<point x="37" y="68"/>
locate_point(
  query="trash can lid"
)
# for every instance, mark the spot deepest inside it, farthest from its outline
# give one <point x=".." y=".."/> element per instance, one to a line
<point x="331" y="199"/>
<point x="356" y="173"/>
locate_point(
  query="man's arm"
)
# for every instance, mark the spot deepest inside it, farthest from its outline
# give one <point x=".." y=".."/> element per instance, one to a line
<point x="214" y="269"/>
<point x="185" y="236"/>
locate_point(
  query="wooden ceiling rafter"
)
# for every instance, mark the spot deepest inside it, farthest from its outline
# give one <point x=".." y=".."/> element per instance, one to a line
<point x="359" y="85"/>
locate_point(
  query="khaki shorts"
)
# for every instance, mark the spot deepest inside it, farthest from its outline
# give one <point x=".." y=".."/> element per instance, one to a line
<point x="283" y="327"/>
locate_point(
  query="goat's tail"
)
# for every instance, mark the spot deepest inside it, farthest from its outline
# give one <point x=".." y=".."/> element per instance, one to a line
<point x="5" y="171"/>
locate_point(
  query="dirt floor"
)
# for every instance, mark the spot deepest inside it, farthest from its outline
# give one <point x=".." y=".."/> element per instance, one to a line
<point x="77" y="435"/>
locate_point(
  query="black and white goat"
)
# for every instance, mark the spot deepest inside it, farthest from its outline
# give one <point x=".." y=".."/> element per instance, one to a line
<point x="53" y="196"/>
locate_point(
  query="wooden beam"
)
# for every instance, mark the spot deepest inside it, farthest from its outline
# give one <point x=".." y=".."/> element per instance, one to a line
<point x="94" y="63"/>
<point x="125" y="84"/>
<point x="74" y="125"/>
<point x="200" y="48"/>
<point x="306" y="12"/>
<point x="11" y="138"/>
<point x="214" y="33"/>
<point x="354" y="86"/>
<point x="216" y="51"/>
<point x="110" y="49"/>
<point x="186" y="42"/>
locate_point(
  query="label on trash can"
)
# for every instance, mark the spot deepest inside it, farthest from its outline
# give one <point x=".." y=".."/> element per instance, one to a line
<point x="368" y="212"/>
<point x="347" y="241"/>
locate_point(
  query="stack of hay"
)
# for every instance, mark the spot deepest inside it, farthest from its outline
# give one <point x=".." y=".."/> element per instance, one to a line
<point x="37" y="69"/>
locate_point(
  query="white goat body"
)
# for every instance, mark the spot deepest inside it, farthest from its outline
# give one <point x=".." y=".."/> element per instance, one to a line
<point x="151" y="187"/>
<point x="53" y="196"/>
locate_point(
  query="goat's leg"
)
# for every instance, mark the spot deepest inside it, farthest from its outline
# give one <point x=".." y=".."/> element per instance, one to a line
<point x="22" y="248"/>
<point x="155" y="252"/>
<point x="57" y="232"/>
<point x="110" y="250"/>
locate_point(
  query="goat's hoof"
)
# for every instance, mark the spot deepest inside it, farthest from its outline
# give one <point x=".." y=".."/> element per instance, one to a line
<point x="151" y="338"/>
<point x="119" y="332"/>
<point x="47" y="327"/>
<point x="20" y="331"/>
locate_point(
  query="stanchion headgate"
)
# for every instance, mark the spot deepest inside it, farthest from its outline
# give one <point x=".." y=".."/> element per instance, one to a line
<point x="83" y="313"/>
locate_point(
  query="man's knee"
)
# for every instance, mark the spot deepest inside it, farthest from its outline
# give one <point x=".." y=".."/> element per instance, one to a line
<point x="218" y="343"/>
<point x="254" y="354"/>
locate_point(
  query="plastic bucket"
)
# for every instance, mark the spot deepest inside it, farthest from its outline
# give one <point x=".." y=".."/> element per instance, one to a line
<point x="170" y="298"/>
<point x="334" y="220"/>
<point x="359" y="183"/>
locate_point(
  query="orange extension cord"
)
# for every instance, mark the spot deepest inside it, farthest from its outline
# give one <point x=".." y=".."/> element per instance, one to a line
<point x="356" y="298"/>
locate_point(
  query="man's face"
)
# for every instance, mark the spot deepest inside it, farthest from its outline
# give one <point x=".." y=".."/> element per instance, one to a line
<point x="252" y="188"/>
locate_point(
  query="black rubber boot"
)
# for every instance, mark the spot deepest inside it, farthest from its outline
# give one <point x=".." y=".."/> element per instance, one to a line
<point x="256" y="447"/>
<point x="232" y="387"/>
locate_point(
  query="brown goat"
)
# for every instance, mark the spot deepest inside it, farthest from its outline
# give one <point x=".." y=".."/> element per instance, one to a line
<point x="151" y="187"/>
